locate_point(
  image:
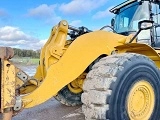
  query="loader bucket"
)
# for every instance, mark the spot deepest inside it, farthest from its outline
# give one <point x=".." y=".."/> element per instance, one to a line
<point x="0" y="81"/>
<point x="7" y="80"/>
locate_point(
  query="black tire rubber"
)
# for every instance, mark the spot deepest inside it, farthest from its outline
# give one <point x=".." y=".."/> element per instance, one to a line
<point x="68" y="98"/>
<point x="108" y="83"/>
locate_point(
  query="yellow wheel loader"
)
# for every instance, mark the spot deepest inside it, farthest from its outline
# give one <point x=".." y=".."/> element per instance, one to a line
<point x="114" y="75"/>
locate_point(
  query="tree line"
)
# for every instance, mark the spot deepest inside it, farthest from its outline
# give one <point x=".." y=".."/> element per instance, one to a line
<point x="26" y="53"/>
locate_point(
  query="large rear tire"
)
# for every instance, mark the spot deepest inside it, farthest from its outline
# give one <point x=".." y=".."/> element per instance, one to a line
<point x="122" y="87"/>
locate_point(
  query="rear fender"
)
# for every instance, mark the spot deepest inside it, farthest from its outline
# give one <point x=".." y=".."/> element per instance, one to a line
<point x="143" y="49"/>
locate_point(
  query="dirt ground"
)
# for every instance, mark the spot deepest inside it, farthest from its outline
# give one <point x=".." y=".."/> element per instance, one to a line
<point x="51" y="110"/>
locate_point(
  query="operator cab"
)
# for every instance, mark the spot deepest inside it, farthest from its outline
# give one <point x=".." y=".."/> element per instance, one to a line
<point x="129" y="13"/>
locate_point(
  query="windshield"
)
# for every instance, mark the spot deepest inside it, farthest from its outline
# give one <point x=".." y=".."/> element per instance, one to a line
<point x="128" y="17"/>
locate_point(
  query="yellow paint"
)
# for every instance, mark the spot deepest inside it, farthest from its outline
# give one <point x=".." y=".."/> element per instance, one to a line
<point x="41" y="71"/>
<point x="30" y="83"/>
<point x="76" y="85"/>
<point x="53" y="49"/>
<point x="7" y="85"/>
<point x="38" y="74"/>
<point x="28" y="89"/>
<point x="74" y="89"/>
<point x="19" y="82"/>
<point x="141" y="101"/>
<point x="65" y="67"/>
<point x="143" y="49"/>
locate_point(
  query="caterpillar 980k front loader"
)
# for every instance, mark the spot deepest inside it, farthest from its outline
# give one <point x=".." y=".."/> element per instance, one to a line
<point x="114" y="74"/>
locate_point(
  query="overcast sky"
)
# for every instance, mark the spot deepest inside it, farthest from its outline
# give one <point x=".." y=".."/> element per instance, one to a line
<point x="27" y="24"/>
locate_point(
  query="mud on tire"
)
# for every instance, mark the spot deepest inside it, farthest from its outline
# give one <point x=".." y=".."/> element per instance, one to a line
<point x="108" y="84"/>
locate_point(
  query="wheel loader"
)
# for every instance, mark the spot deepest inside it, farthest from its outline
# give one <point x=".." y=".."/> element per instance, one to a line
<point x="114" y="75"/>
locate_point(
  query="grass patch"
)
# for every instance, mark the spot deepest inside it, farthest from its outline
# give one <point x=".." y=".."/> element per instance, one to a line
<point x="26" y="61"/>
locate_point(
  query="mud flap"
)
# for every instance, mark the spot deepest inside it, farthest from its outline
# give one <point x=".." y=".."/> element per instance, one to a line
<point x="7" y="87"/>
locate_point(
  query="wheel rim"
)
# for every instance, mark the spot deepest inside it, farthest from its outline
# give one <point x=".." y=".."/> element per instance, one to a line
<point x="141" y="100"/>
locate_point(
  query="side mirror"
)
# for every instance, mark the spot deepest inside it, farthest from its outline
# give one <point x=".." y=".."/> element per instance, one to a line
<point x="145" y="24"/>
<point x="112" y="22"/>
